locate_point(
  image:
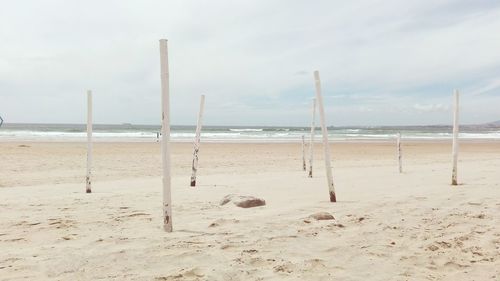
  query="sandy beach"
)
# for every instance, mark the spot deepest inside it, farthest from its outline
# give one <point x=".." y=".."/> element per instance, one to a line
<point x="387" y="226"/>
<point x="169" y="140"/>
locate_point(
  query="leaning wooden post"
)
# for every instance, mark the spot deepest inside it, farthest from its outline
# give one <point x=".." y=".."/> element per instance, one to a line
<point x="400" y="160"/>
<point x="197" y="137"/>
<point x="165" y="137"/>
<point x="311" y="141"/>
<point x="455" y="140"/>
<point x="326" y="146"/>
<point x="88" y="178"/>
<point x="303" y="153"/>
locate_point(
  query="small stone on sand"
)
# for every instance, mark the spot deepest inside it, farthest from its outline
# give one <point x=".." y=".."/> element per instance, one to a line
<point x="322" y="216"/>
<point x="243" y="201"/>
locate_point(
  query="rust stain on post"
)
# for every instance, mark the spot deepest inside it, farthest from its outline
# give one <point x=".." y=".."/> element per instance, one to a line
<point x="87" y="180"/>
<point x="196" y="143"/>
<point x="167" y="223"/>
<point x="194" y="166"/>
<point x="333" y="198"/>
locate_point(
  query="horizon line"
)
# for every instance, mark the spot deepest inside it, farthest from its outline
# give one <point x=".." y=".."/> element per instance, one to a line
<point x="241" y="126"/>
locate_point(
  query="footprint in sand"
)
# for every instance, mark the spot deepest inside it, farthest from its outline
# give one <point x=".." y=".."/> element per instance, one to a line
<point x="22" y="223"/>
<point x="61" y="223"/>
<point x="475" y="203"/>
<point x="16" y="240"/>
<point x="455" y="265"/>
<point x="69" y="237"/>
<point x="221" y="222"/>
<point x="314" y="264"/>
<point x="132" y="215"/>
<point x="187" y="274"/>
<point x="286" y="267"/>
<point x="137" y="215"/>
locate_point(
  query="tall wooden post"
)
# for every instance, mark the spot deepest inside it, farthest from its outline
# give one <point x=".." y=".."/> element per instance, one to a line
<point x="197" y="137"/>
<point x="303" y="153"/>
<point x="165" y="141"/>
<point x="88" y="178"/>
<point x="455" y="139"/>
<point x="400" y="160"/>
<point x="326" y="146"/>
<point x="311" y="141"/>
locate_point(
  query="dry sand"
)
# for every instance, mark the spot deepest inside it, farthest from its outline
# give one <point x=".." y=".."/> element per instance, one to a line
<point x="388" y="226"/>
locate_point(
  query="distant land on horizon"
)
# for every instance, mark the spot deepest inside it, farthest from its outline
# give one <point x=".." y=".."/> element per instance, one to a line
<point x="493" y="124"/>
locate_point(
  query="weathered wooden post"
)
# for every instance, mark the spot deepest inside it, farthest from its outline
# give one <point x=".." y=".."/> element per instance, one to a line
<point x="303" y="153"/>
<point x="311" y="141"/>
<point x="197" y="137"/>
<point x="400" y="160"/>
<point x="455" y="140"/>
<point x="88" y="178"/>
<point x="165" y="134"/>
<point x="324" y="130"/>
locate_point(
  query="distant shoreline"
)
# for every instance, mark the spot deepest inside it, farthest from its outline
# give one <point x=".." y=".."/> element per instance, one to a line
<point x="212" y="141"/>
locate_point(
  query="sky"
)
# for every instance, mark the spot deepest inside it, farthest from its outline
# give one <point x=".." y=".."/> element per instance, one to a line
<point x="381" y="62"/>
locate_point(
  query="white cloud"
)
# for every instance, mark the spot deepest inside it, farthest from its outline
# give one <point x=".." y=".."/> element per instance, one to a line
<point x="430" y="107"/>
<point x="493" y="85"/>
<point x="371" y="54"/>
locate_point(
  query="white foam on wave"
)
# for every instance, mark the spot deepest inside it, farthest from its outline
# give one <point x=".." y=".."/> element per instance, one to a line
<point x="243" y="135"/>
<point x="246" y="130"/>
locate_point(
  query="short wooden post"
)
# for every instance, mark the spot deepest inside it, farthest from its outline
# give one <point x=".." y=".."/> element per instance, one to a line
<point x="197" y="137"/>
<point x="400" y="157"/>
<point x="303" y="153"/>
<point x="311" y="141"/>
<point x="326" y="146"/>
<point x="165" y="134"/>
<point x="88" y="178"/>
<point x="455" y="139"/>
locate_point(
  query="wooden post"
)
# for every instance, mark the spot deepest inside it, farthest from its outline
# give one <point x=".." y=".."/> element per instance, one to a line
<point x="197" y="137"/>
<point x="400" y="160"/>
<point x="165" y="134"/>
<point x="303" y="153"/>
<point x="88" y="178"/>
<point x="311" y="141"/>
<point x="326" y="146"/>
<point x="455" y="140"/>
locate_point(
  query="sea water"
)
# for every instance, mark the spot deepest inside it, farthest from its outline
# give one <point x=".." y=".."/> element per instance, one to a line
<point x="129" y="132"/>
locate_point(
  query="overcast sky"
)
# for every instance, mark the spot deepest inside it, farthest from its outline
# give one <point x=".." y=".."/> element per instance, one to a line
<point x="386" y="62"/>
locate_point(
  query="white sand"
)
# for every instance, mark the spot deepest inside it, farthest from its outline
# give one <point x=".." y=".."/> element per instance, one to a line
<point x="413" y="226"/>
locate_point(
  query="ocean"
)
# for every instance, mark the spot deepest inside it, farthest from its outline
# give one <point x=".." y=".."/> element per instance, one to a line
<point x="129" y="132"/>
